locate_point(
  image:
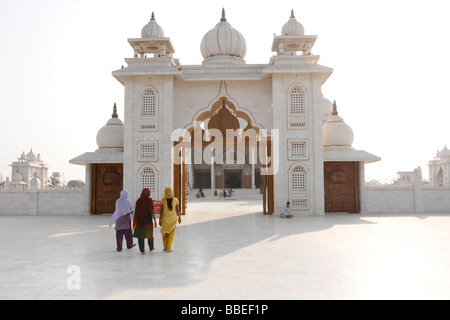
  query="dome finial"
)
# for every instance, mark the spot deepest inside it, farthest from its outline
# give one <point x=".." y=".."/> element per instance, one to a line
<point x="293" y="27"/>
<point x="152" y="29"/>
<point x="223" y="15"/>
<point x="115" y="115"/>
<point x="223" y="44"/>
<point x="335" y="112"/>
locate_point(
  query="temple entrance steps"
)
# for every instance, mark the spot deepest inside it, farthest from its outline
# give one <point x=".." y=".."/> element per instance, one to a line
<point x="238" y="194"/>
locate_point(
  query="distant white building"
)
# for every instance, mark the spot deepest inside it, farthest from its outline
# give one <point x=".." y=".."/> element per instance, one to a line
<point x="404" y="178"/>
<point x="27" y="167"/>
<point x="439" y="168"/>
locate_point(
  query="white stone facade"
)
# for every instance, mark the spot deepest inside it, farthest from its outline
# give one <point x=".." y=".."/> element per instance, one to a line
<point x="284" y="95"/>
<point x="282" y="98"/>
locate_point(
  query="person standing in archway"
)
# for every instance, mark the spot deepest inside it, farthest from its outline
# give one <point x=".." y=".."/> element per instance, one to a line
<point x="168" y="218"/>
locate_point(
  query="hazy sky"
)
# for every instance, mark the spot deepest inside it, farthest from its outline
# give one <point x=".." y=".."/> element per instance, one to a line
<point x="390" y="61"/>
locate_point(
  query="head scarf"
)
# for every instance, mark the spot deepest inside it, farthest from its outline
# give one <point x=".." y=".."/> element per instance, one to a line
<point x="144" y="206"/>
<point x="168" y="195"/>
<point x="123" y="207"/>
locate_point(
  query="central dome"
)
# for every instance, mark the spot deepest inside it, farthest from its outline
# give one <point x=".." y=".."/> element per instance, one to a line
<point x="223" y="44"/>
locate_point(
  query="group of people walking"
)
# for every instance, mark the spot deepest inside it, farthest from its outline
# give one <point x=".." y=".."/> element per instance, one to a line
<point x="144" y="220"/>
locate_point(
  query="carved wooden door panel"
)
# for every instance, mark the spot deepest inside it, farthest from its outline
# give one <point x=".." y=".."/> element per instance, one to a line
<point x="180" y="180"/>
<point x="341" y="187"/>
<point x="267" y="181"/>
<point x="184" y="188"/>
<point x="107" y="184"/>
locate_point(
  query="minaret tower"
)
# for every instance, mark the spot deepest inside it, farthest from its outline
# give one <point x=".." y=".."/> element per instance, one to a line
<point x="152" y="41"/>
<point x="293" y="39"/>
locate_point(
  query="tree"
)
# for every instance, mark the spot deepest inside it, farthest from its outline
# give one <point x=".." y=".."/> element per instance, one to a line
<point x="76" y="184"/>
<point x="54" y="181"/>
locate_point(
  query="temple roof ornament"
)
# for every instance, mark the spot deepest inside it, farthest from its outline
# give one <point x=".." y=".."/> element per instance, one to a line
<point x="337" y="133"/>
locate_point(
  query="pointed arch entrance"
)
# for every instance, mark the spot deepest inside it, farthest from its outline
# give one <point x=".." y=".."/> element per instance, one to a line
<point x="226" y="137"/>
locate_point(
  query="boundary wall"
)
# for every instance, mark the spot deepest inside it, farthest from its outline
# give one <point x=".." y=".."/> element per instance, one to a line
<point x="380" y="199"/>
<point x="34" y="201"/>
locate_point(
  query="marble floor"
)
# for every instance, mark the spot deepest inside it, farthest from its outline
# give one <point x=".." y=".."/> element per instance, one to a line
<point x="230" y="250"/>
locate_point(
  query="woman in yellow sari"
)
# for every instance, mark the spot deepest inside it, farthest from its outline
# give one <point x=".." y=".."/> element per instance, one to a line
<point x="168" y="218"/>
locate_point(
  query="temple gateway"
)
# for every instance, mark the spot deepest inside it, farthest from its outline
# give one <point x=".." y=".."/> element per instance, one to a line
<point x="227" y="124"/>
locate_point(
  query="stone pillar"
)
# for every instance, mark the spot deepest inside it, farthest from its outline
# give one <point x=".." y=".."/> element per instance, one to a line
<point x="253" y="177"/>
<point x="362" y="187"/>
<point x="418" y="191"/>
<point x="213" y="171"/>
<point x="88" y="190"/>
<point x="252" y="160"/>
<point x="165" y="165"/>
<point x="281" y="48"/>
<point x="33" y="202"/>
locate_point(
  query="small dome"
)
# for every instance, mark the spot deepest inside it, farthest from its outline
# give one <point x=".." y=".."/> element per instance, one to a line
<point x="152" y="29"/>
<point x="293" y="27"/>
<point x="336" y="133"/>
<point x="31" y="156"/>
<point x="224" y="40"/>
<point x="111" y="135"/>
<point x="444" y="152"/>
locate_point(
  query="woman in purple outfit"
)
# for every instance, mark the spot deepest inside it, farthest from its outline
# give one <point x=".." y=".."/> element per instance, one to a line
<point x="122" y="219"/>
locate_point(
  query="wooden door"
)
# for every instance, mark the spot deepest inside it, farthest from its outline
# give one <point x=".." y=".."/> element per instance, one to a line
<point x="341" y="187"/>
<point x="184" y="188"/>
<point x="180" y="181"/>
<point x="267" y="182"/>
<point x="177" y="181"/>
<point x="107" y="182"/>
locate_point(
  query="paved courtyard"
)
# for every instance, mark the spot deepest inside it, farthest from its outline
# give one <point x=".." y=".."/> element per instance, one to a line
<point x="227" y="249"/>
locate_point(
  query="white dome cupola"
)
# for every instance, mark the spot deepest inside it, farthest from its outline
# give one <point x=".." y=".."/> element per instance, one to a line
<point x="293" y="27"/>
<point x="152" y="29"/>
<point x="293" y="40"/>
<point x="223" y="44"/>
<point x="111" y="135"/>
<point x="444" y="152"/>
<point x="337" y="133"/>
<point x="153" y="42"/>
